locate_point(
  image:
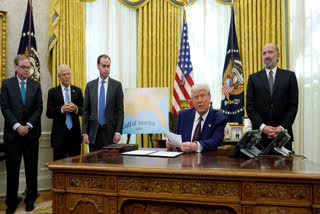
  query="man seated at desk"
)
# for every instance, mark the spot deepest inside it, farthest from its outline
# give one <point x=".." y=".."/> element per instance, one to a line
<point x="201" y="128"/>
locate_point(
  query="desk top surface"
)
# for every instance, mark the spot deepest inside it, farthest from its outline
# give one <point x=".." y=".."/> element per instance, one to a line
<point x="207" y="163"/>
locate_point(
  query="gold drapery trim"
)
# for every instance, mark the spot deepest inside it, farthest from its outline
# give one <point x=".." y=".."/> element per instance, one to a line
<point x="134" y="4"/>
<point x="259" y="22"/>
<point x="67" y="40"/>
<point x="227" y="2"/>
<point x="158" y="46"/>
<point x="137" y="4"/>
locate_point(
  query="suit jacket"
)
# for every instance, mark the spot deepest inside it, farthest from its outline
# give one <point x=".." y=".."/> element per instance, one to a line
<point x="113" y="111"/>
<point x="212" y="132"/>
<point x="54" y="104"/>
<point x="14" y="111"/>
<point x="280" y="108"/>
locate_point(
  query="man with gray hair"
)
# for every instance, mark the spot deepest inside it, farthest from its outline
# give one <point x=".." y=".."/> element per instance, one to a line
<point x="201" y="128"/>
<point x="272" y="97"/>
<point x="64" y="106"/>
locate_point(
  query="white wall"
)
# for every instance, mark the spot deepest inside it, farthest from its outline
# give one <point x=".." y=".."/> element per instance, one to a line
<point x="16" y="14"/>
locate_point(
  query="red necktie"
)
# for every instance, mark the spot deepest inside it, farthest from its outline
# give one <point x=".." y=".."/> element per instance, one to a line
<point x="197" y="131"/>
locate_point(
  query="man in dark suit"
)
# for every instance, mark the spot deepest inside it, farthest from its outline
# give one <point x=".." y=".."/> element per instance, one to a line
<point x="272" y="97"/>
<point x="102" y="108"/>
<point x="64" y="107"/>
<point x="21" y="106"/>
<point x="201" y="128"/>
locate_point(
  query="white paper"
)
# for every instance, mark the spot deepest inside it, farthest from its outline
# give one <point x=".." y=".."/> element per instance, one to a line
<point x="138" y="152"/>
<point x="174" y="139"/>
<point x="165" y="154"/>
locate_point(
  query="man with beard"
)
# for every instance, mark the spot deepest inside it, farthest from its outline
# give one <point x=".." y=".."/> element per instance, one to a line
<point x="272" y="97"/>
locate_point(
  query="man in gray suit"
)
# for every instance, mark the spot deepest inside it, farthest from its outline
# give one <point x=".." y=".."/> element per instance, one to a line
<point x="102" y="108"/>
<point x="21" y="106"/>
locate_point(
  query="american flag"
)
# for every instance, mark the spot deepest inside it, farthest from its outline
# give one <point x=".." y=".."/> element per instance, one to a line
<point x="226" y="88"/>
<point x="184" y="76"/>
<point x="28" y="45"/>
<point x="232" y="104"/>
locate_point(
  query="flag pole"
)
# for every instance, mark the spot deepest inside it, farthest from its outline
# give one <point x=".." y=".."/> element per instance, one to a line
<point x="29" y="32"/>
<point x="184" y="103"/>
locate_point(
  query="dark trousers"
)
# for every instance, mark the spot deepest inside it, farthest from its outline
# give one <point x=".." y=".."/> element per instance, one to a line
<point x="14" y="151"/>
<point x="101" y="140"/>
<point x="68" y="148"/>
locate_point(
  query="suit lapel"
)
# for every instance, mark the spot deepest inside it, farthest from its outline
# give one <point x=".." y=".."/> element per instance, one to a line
<point x="207" y="125"/>
<point x="16" y="87"/>
<point x="95" y="95"/>
<point x="73" y="93"/>
<point x="263" y="75"/>
<point x="59" y="95"/>
<point x="29" y="90"/>
<point x="191" y="118"/>
<point x="277" y="80"/>
<point x="109" y="91"/>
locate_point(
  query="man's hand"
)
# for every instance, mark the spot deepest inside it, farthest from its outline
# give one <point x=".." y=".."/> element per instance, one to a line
<point x="69" y="107"/>
<point x="189" y="147"/>
<point x="169" y="146"/>
<point x="116" y="138"/>
<point x="271" y="131"/>
<point x="277" y="131"/>
<point x="22" y="130"/>
<point x="86" y="139"/>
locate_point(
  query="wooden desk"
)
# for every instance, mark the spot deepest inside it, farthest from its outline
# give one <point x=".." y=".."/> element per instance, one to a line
<point x="100" y="182"/>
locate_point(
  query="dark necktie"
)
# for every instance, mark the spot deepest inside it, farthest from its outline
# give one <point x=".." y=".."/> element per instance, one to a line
<point x="270" y="80"/>
<point x="23" y="92"/>
<point x="197" y="131"/>
<point x="101" y="104"/>
<point x="68" y="115"/>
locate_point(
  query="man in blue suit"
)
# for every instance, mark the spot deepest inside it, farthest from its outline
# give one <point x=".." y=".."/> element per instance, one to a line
<point x="103" y="113"/>
<point x="201" y="128"/>
<point x="21" y="106"/>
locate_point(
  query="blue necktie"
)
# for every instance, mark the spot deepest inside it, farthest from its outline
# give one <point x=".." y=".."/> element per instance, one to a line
<point x="68" y="115"/>
<point x="101" y="104"/>
<point x="23" y="92"/>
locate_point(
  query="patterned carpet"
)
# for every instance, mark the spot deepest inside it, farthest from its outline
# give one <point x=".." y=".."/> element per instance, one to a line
<point x="40" y="208"/>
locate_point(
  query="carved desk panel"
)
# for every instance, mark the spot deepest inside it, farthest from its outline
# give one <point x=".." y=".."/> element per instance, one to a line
<point x="102" y="182"/>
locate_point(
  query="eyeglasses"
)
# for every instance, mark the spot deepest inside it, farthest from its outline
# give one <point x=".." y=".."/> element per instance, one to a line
<point x="25" y="67"/>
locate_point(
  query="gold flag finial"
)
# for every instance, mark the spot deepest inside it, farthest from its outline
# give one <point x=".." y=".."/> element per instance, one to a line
<point x="185" y="2"/>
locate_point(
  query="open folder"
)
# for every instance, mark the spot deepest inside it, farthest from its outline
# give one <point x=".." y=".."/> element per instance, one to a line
<point x="153" y="153"/>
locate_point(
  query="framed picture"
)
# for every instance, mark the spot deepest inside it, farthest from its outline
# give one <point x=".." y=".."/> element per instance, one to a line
<point x="247" y="124"/>
<point x="236" y="132"/>
<point x="227" y="130"/>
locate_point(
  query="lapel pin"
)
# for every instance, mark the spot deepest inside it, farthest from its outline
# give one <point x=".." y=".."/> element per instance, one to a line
<point x="209" y="125"/>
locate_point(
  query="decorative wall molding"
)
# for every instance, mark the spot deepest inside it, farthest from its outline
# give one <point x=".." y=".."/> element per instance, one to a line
<point x="3" y="44"/>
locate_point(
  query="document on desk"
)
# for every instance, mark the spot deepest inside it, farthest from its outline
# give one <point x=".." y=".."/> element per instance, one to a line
<point x="153" y="153"/>
<point x="165" y="154"/>
<point x="175" y="139"/>
<point x="138" y="152"/>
